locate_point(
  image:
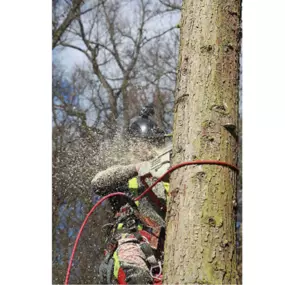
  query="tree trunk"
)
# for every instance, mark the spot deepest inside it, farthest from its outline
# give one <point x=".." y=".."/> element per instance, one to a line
<point x="200" y="242"/>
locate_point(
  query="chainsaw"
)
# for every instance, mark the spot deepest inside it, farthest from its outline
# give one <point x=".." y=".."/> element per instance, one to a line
<point x="157" y="166"/>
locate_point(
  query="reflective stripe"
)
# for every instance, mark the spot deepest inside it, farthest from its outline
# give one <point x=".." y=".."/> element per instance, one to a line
<point x="133" y="183"/>
<point x="166" y="186"/>
<point x="133" y="186"/>
<point x="120" y="226"/>
<point x="116" y="264"/>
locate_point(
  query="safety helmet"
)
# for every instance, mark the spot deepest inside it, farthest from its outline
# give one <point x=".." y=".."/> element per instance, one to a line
<point x="144" y="127"/>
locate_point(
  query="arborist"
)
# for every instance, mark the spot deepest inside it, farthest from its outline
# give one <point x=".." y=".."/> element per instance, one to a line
<point x="134" y="247"/>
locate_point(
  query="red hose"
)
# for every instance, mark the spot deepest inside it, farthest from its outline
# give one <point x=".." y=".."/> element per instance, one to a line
<point x="82" y="227"/>
<point x="197" y="162"/>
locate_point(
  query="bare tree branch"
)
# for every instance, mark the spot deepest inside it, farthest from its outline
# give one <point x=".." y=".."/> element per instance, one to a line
<point x="73" y="13"/>
<point x="76" y="48"/>
<point x="112" y="39"/>
<point x="71" y="16"/>
<point x="157" y="36"/>
<point x="170" y="5"/>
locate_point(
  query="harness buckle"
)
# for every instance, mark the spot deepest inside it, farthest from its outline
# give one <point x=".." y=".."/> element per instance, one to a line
<point x="155" y="270"/>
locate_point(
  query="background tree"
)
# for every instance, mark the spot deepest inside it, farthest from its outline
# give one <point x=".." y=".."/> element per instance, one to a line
<point x="200" y="241"/>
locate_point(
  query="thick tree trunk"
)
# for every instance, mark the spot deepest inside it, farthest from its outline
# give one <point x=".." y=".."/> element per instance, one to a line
<point x="200" y="242"/>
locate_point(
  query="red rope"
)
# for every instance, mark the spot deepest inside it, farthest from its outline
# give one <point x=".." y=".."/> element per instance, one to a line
<point x="197" y="162"/>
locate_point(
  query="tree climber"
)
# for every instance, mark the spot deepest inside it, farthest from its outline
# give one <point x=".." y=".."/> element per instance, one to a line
<point x="134" y="247"/>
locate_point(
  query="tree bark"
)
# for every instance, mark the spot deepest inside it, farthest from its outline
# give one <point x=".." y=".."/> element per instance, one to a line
<point x="201" y="240"/>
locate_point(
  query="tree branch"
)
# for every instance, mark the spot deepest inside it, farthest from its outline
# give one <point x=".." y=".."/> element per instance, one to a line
<point x="112" y="39"/>
<point x="72" y="15"/>
<point x="157" y="36"/>
<point x="170" y="5"/>
<point x="76" y="48"/>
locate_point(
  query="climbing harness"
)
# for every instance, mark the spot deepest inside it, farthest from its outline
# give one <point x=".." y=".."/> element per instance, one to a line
<point x="143" y="232"/>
